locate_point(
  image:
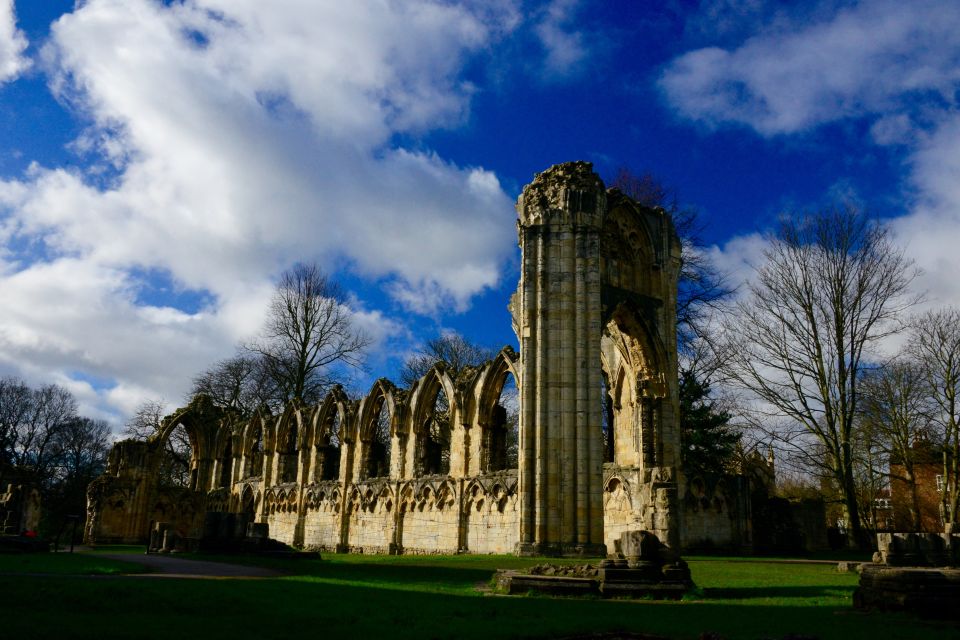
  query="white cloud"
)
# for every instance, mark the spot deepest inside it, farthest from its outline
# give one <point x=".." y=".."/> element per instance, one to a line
<point x="12" y="44"/>
<point x="564" y="47"/>
<point x="895" y="65"/>
<point x="227" y="140"/>
<point x="870" y="58"/>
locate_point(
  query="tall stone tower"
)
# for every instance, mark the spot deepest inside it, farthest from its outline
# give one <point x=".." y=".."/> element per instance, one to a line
<point x="595" y="313"/>
<point x="557" y="318"/>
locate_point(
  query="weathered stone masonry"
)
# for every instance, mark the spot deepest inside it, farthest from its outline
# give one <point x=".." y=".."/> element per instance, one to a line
<point x="594" y="313"/>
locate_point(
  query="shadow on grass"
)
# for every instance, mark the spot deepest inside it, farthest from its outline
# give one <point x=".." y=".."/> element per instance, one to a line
<point x="131" y="607"/>
<point x="746" y="593"/>
<point x="442" y="578"/>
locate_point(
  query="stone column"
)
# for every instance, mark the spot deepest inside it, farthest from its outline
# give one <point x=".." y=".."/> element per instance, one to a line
<point x="558" y="317"/>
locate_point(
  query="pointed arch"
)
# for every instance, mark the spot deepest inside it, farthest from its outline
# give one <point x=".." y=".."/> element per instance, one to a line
<point x="380" y="416"/>
<point x="434" y="414"/>
<point x="498" y="434"/>
<point x="381" y="392"/>
<point x="330" y="426"/>
<point x="635" y="360"/>
<point x="289" y="442"/>
<point x="628" y="248"/>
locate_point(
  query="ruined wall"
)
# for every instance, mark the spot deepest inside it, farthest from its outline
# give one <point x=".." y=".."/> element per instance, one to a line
<point x="716" y="513"/>
<point x="424" y="469"/>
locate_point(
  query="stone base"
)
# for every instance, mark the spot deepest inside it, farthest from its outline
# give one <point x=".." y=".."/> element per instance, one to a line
<point x="627" y="585"/>
<point x="657" y="591"/>
<point x="515" y="583"/>
<point x="931" y="592"/>
<point x="561" y="550"/>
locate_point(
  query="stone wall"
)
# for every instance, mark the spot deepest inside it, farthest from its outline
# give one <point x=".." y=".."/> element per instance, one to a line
<point x="716" y="513"/>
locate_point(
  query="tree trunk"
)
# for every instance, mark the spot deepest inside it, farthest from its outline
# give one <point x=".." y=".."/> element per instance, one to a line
<point x="914" y="499"/>
<point x="851" y="513"/>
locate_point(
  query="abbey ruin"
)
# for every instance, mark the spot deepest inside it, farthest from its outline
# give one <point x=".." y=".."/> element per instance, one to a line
<point x="594" y="314"/>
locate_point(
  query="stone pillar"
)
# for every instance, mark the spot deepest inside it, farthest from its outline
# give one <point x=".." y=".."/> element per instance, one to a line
<point x="558" y="318"/>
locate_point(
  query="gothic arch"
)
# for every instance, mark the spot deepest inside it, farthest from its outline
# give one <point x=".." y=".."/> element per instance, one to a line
<point x="628" y="250"/>
<point x="382" y="391"/>
<point x="494" y="435"/>
<point x="335" y="404"/>
<point x="491" y="381"/>
<point x="288" y="445"/>
<point x="432" y="435"/>
<point x="330" y="425"/>
<point x="376" y="440"/>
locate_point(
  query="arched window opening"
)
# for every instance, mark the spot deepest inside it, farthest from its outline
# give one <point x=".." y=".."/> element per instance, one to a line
<point x="175" y="467"/>
<point x="226" y="465"/>
<point x="288" y="455"/>
<point x="330" y="450"/>
<point x="248" y="506"/>
<point x="503" y="444"/>
<point x="434" y="439"/>
<point x="255" y="457"/>
<point x="378" y="457"/>
<point x="606" y="419"/>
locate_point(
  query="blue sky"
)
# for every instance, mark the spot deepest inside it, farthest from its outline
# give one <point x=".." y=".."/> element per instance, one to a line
<point x="162" y="162"/>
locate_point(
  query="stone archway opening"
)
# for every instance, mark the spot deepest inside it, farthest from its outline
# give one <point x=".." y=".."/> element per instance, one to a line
<point x="377" y="459"/>
<point x="503" y="434"/>
<point x="226" y="465"/>
<point x="177" y="465"/>
<point x="253" y="451"/>
<point x="328" y="445"/>
<point x="606" y="417"/>
<point x="288" y="453"/>
<point x="434" y="436"/>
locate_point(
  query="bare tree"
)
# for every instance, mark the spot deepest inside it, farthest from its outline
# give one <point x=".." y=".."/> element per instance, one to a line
<point x="935" y="343"/>
<point x="33" y="442"/>
<point x="16" y="400"/>
<point x="45" y="444"/>
<point x="81" y="453"/>
<point x="894" y="419"/>
<point x="308" y="334"/>
<point x="456" y="353"/>
<point x="240" y="383"/>
<point x="451" y="349"/>
<point x="832" y="285"/>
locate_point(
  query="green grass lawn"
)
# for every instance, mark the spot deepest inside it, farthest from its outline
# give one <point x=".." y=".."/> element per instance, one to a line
<point x="64" y="564"/>
<point x="437" y="597"/>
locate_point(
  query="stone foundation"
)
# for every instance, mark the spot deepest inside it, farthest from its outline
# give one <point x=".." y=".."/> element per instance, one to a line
<point x="915" y="572"/>
<point x="931" y="592"/>
<point x="645" y="569"/>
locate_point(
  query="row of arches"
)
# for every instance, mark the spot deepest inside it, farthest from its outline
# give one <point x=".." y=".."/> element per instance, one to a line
<point x="440" y="426"/>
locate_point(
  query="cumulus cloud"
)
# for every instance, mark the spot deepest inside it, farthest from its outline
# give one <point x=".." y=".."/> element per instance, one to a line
<point x="893" y="66"/>
<point x="564" y="47"/>
<point x="225" y="141"/>
<point x="870" y="58"/>
<point x="12" y="44"/>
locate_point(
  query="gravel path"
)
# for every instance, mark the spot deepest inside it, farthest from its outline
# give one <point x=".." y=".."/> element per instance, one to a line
<point x="166" y="566"/>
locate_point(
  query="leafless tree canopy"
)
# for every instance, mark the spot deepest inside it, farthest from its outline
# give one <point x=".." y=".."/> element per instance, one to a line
<point x="45" y="444"/>
<point x="309" y="332"/>
<point x="30" y="425"/>
<point x="894" y="418"/>
<point x="935" y="344"/>
<point x="456" y="353"/>
<point x="832" y="285"/>
<point x="451" y="349"/>
<point x="240" y="383"/>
